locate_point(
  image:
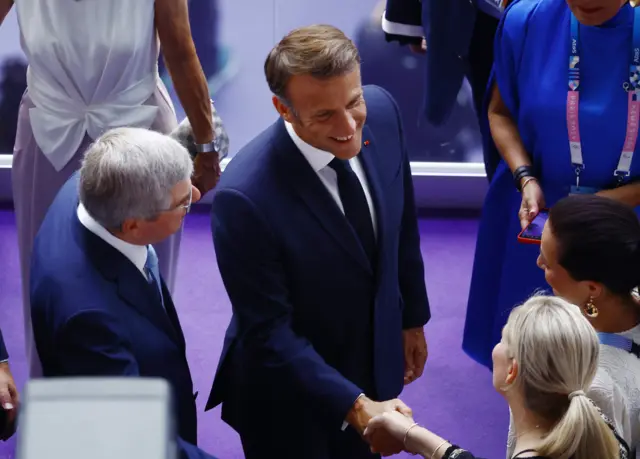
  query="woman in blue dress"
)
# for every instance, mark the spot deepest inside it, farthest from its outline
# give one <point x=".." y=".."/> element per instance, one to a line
<point x="560" y="68"/>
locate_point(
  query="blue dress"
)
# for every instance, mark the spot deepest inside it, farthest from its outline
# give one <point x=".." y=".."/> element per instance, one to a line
<point x="531" y="70"/>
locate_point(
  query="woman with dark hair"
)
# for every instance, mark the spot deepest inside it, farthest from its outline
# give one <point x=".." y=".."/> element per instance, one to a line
<point x="590" y="255"/>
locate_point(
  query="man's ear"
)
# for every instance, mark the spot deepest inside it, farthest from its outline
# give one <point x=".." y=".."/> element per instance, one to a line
<point x="283" y="109"/>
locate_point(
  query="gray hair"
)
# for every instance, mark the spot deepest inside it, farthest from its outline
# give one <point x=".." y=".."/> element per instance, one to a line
<point x="129" y="173"/>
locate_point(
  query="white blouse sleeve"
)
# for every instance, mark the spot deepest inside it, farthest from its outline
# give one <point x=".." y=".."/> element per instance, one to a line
<point x="611" y="401"/>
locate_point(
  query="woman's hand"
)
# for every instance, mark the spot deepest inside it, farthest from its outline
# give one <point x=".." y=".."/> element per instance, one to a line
<point x="393" y="423"/>
<point x="532" y="201"/>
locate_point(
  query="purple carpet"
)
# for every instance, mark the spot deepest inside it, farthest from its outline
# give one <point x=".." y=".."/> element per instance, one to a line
<point x="454" y="398"/>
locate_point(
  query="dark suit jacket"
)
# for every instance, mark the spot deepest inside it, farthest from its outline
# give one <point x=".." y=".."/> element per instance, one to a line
<point x="448" y="28"/>
<point x="4" y="355"/>
<point x="313" y="325"/>
<point x="94" y="314"/>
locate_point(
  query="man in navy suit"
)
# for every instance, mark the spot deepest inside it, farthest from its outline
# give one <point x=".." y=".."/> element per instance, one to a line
<point x="317" y="242"/>
<point x="99" y="306"/>
<point x="459" y="43"/>
<point x="9" y="397"/>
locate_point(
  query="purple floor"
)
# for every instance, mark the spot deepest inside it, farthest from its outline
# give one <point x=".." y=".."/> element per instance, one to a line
<point x="454" y="398"/>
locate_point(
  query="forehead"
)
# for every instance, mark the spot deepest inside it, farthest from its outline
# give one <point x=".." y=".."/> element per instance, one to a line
<point x="180" y="190"/>
<point x="548" y="242"/>
<point x="308" y="92"/>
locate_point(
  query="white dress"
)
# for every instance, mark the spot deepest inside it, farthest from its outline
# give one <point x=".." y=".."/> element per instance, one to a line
<point x="92" y="66"/>
<point x="616" y="391"/>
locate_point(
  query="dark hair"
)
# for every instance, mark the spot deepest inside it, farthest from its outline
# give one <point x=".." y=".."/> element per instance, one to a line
<point x="321" y="51"/>
<point x="598" y="240"/>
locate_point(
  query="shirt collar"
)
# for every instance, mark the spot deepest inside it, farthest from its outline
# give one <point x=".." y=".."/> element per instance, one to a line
<point x="318" y="159"/>
<point x="137" y="254"/>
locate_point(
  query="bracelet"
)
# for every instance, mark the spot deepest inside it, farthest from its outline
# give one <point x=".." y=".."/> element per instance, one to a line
<point x="526" y="181"/>
<point x="406" y="434"/>
<point x="520" y="173"/>
<point x="433" y="455"/>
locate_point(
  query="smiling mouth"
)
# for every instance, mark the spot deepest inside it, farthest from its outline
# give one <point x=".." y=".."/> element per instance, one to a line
<point x="343" y="139"/>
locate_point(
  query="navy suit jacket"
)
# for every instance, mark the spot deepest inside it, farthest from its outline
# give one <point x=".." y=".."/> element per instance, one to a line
<point x="4" y="355"/>
<point x="448" y="28"/>
<point x="94" y="314"/>
<point x="313" y="324"/>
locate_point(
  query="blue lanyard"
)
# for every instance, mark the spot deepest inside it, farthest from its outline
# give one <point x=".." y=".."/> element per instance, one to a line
<point x="620" y="342"/>
<point x="573" y="102"/>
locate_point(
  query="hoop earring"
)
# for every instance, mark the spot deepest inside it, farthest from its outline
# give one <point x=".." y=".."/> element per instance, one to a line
<point x="590" y="309"/>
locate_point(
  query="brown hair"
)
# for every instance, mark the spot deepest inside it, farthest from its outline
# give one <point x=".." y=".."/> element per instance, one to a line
<point x="321" y="51"/>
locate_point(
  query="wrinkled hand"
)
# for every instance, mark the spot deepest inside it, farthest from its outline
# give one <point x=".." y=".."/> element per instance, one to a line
<point x="206" y="172"/>
<point x="366" y="409"/>
<point x="9" y="400"/>
<point x="393" y="424"/>
<point x="415" y="353"/>
<point x="419" y="49"/>
<point x="532" y="202"/>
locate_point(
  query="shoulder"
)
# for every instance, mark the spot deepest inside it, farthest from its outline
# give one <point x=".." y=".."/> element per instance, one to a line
<point x="521" y="13"/>
<point x="380" y="101"/>
<point x="254" y="162"/>
<point x="382" y="109"/>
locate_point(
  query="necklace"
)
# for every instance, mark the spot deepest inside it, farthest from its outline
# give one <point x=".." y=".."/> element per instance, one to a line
<point x="527" y="431"/>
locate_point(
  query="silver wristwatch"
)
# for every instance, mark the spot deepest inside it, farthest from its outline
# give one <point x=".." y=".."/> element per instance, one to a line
<point x="210" y="147"/>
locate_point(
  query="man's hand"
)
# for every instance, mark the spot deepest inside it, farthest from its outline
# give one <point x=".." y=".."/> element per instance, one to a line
<point x="206" y="172"/>
<point x="9" y="401"/>
<point x="366" y="409"/>
<point x="419" y="49"/>
<point x="415" y="353"/>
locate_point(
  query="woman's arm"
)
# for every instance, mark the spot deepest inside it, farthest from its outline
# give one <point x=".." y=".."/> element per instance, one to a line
<point x="425" y="443"/>
<point x="628" y="194"/>
<point x="505" y="133"/>
<point x="174" y="31"/>
<point x="5" y="7"/>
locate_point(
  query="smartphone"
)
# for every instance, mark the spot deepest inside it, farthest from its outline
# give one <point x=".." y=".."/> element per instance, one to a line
<point x="532" y="234"/>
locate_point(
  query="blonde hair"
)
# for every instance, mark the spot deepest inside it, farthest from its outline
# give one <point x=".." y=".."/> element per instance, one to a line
<point x="557" y="350"/>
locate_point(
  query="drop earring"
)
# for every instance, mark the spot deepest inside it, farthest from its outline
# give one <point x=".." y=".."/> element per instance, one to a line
<point x="590" y="309"/>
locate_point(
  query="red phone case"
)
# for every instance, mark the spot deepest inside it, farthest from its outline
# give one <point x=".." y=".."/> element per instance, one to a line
<point x="527" y="240"/>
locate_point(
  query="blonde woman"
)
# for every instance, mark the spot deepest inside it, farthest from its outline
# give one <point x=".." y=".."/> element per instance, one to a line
<point x="544" y="363"/>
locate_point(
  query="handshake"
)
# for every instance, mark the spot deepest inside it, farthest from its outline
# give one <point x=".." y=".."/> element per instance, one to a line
<point x="383" y="425"/>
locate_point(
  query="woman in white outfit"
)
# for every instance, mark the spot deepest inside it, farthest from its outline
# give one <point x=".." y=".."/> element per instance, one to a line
<point x="93" y="67"/>
<point x="590" y="254"/>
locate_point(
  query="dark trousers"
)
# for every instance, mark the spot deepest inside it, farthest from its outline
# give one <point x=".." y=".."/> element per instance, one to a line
<point x="481" y="57"/>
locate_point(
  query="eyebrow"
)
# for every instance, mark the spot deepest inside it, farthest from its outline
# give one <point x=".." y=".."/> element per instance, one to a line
<point x="355" y="99"/>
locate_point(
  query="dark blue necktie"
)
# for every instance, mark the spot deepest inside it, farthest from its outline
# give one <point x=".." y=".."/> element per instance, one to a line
<point x="355" y="205"/>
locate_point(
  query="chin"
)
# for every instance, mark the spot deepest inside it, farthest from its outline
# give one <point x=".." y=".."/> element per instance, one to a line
<point x="595" y="19"/>
<point x="347" y="150"/>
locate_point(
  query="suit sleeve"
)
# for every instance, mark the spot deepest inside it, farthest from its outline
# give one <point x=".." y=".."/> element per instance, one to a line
<point x="410" y="264"/>
<point x="91" y="348"/>
<point x="256" y="282"/>
<point x="402" y="21"/>
<point x="4" y="355"/>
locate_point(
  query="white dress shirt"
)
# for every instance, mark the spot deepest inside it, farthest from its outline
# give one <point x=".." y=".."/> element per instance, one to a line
<point x="319" y="161"/>
<point x="137" y="254"/>
<point x="92" y="67"/>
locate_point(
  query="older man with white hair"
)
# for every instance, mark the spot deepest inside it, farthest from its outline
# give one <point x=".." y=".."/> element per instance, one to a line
<point x="98" y="303"/>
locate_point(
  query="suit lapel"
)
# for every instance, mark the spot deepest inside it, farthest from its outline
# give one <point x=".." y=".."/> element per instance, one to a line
<point x="312" y="191"/>
<point x="131" y="284"/>
<point x="368" y="158"/>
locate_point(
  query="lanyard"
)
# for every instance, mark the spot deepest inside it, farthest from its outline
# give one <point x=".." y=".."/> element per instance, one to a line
<point x="626" y="344"/>
<point x="632" y="87"/>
